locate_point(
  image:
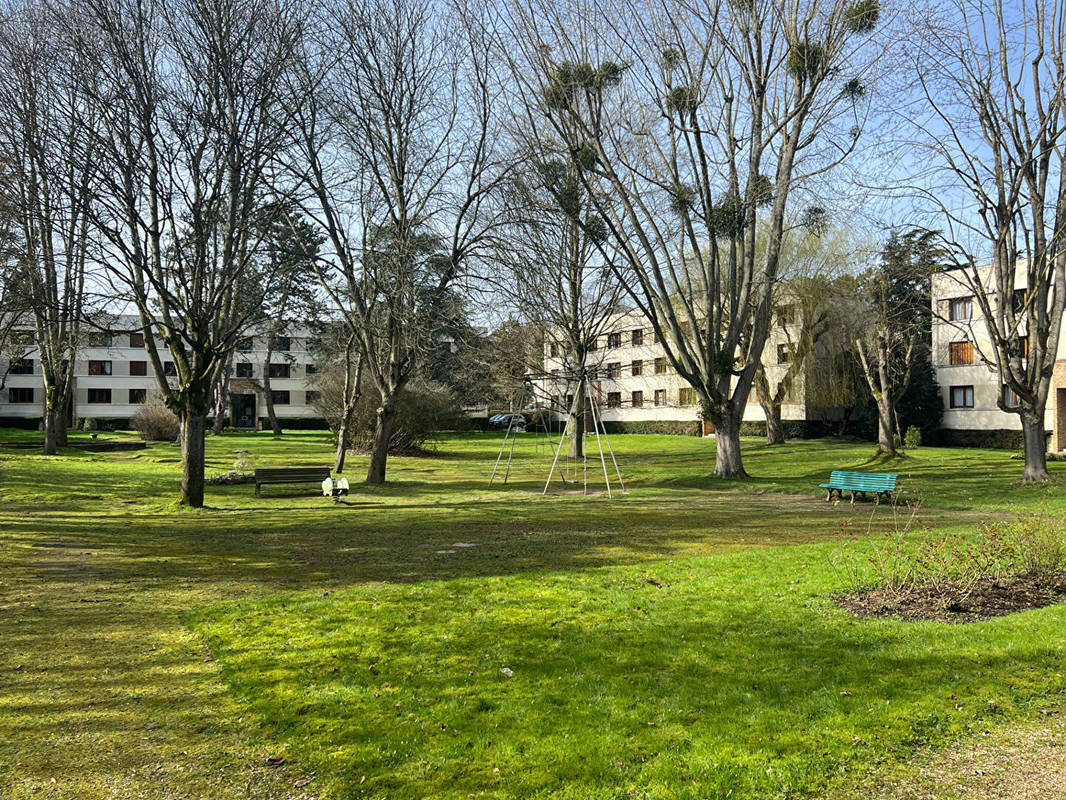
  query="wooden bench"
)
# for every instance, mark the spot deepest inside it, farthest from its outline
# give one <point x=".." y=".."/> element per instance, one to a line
<point x="273" y="475"/>
<point x="881" y="484"/>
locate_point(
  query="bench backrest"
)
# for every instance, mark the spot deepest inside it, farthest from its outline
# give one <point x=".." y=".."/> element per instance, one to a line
<point x="864" y="481"/>
<point x="291" y="474"/>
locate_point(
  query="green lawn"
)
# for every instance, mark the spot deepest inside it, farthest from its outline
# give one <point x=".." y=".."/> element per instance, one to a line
<point x="678" y="641"/>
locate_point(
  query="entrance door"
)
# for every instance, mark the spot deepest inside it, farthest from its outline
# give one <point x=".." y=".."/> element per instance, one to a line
<point x="243" y="406"/>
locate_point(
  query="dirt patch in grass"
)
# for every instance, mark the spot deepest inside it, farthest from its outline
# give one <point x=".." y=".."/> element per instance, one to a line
<point x="950" y="602"/>
<point x="1027" y="762"/>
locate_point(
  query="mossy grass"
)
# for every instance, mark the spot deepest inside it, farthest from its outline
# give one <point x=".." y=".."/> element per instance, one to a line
<point x="678" y="641"/>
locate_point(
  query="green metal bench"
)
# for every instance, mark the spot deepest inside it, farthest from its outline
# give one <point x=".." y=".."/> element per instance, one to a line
<point x="880" y="484"/>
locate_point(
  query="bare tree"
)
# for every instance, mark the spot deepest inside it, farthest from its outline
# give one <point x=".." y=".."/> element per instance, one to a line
<point x="890" y="323"/>
<point x="398" y="161"/>
<point x="803" y="309"/>
<point x="192" y="100"/>
<point x="554" y="272"/>
<point x="992" y="78"/>
<point x="48" y="182"/>
<point x="691" y="122"/>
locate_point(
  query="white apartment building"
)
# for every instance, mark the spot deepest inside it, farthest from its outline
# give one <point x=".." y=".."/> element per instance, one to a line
<point x="969" y="387"/>
<point x="113" y="378"/>
<point x="635" y="381"/>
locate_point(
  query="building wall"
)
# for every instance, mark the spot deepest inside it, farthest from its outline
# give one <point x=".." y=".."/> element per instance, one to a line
<point x="676" y="407"/>
<point x="122" y="355"/>
<point x="985" y="415"/>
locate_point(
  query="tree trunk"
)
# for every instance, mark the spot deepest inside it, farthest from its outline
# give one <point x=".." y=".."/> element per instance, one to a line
<point x="342" y="447"/>
<point x="379" y="454"/>
<point x="193" y="428"/>
<point x="577" y="423"/>
<point x="1035" y="448"/>
<point x="775" y="428"/>
<point x="886" y="430"/>
<point x="51" y="432"/>
<point x="727" y="459"/>
<point x="220" y="406"/>
<point x="272" y="418"/>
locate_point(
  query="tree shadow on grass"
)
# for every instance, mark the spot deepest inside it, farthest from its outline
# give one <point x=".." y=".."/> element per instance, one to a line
<point x="711" y="686"/>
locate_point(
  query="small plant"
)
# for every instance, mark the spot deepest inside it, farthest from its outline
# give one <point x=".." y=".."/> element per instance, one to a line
<point x="88" y="424"/>
<point x="913" y="437"/>
<point x="243" y="463"/>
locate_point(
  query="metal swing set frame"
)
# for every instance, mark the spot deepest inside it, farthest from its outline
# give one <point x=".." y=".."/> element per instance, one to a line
<point x="582" y="377"/>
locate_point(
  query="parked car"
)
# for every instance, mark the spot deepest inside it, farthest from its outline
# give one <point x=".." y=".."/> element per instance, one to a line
<point x="500" y="422"/>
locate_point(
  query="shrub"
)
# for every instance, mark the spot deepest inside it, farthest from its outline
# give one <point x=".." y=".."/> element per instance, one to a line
<point x="1038" y="543"/>
<point x="422" y="410"/>
<point x="156" y="423"/>
<point x="913" y="437"/>
<point x="88" y="424"/>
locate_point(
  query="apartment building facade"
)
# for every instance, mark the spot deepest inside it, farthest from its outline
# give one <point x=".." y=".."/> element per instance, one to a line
<point x="113" y="378"/>
<point x="970" y="385"/>
<point x="635" y="381"/>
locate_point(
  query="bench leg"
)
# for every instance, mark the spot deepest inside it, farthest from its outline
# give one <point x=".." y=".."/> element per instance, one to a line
<point x="828" y="495"/>
<point x="853" y="497"/>
<point x="257" y="490"/>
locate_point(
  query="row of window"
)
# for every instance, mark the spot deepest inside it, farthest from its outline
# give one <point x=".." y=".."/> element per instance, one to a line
<point x="960" y="309"/>
<point x="25" y="394"/>
<point x="685" y="397"/>
<point x="136" y="339"/>
<point x="962" y="397"/>
<point x="139" y="369"/>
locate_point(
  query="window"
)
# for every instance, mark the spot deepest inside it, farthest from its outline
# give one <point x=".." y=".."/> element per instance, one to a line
<point x="244" y="369"/>
<point x="1018" y="300"/>
<point x="245" y="344"/>
<point x="99" y="395"/>
<point x="687" y="396"/>
<point x="311" y="397"/>
<point x="784" y="356"/>
<point x="961" y="397"/>
<point x="592" y="345"/>
<point x="637" y="367"/>
<point x="137" y="396"/>
<point x="638" y="399"/>
<point x="279" y="370"/>
<point x="960" y="353"/>
<point x="138" y="368"/>
<point x="569" y="401"/>
<point x="637" y="337"/>
<point x="753" y="395"/>
<point x="660" y="397"/>
<point x="553" y="350"/>
<point x="20" y="394"/>
<point x="279" y="398"/>
<point x="614" y="399"/>
<point x="21" y="366"/>
<point x="136" y="339"/>
<point x="100" y="339"/>
<point x="655" y="338"/>
<point x="786" y="315"/>
<point x="614" y="340"/>
<point x="960" y="309"/>
<point x="168" y="368"/>
<point x="614" y="369"/>
<point x="100" y="368"/>
<point x="1010" y="398"/>
<point x="282" y="343"/>
<point x="660" y="366"/>
<point x="310" y="369"/>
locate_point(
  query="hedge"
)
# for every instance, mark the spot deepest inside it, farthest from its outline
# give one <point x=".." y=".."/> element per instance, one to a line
<point x="22" y="423"/>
